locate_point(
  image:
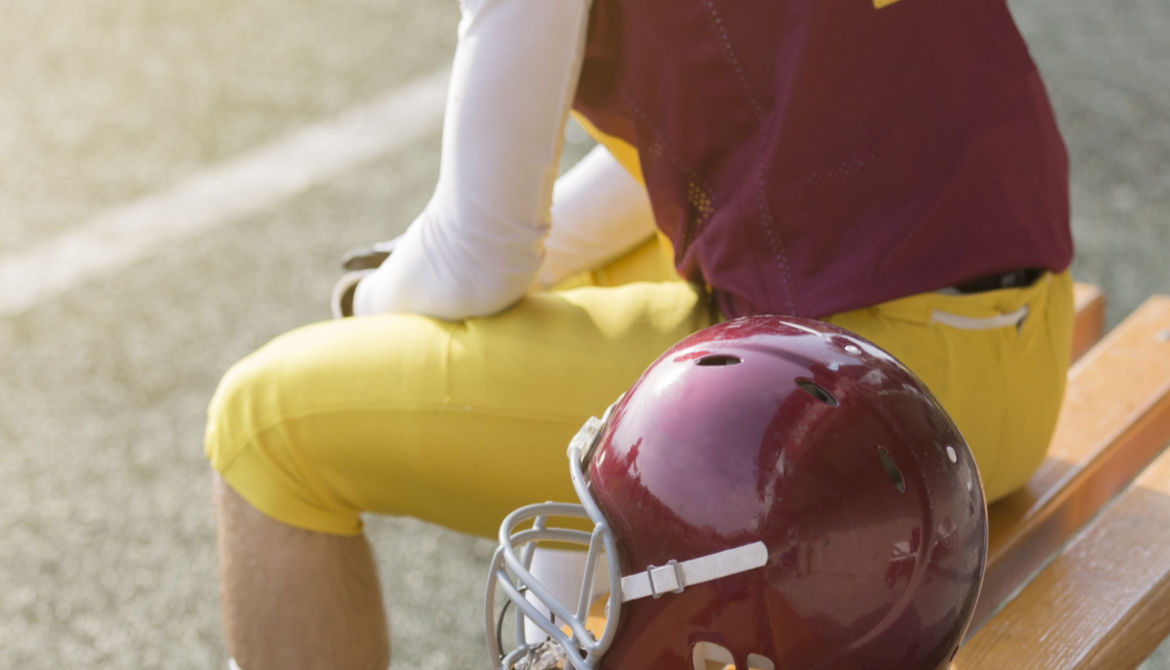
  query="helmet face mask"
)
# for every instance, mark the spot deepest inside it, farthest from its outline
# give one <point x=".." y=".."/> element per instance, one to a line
<point x="771" y="492"/>
<point x="512" y="562"/>
<point x="510" y="573"/>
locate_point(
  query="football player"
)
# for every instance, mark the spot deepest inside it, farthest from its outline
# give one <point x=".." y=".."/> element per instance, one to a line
<point x="889" y="166"/>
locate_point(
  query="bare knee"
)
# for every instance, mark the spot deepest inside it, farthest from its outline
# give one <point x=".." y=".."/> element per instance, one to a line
<point x="294" y="598"/>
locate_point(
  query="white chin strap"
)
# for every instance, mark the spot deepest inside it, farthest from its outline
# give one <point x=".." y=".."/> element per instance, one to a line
<point x="677" y="575"/>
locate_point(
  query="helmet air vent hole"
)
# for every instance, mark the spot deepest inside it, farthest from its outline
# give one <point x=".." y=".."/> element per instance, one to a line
<point x="757" y="662"/>
<point x="817" y="391"/>
<point x="892" y="470"/>
<point x="719" y="359"/>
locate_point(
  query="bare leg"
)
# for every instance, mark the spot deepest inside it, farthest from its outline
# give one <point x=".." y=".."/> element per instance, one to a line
<point x="296" y="599"/>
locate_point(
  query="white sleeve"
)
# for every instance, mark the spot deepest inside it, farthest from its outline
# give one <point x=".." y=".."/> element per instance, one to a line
<point x="599" y="211"/>
<point x="477" y="246"/>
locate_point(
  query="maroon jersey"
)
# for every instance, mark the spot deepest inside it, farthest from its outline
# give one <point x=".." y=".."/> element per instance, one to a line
<point x="809" y="157"/>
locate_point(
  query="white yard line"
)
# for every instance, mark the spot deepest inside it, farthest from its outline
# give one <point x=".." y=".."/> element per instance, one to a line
<point x="222" y="193"/>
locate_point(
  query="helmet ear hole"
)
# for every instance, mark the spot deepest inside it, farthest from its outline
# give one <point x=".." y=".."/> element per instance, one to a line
<point x="757" y="662"/>
<point x="710" y="656"/>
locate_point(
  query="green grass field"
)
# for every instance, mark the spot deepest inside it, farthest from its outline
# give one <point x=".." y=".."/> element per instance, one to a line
<point x="106" y="542"/>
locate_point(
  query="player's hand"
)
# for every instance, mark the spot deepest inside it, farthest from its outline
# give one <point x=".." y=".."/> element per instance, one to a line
<point x="359" y="263"/>
<point x="341" y="302"/>
<point x="369" y="258"/>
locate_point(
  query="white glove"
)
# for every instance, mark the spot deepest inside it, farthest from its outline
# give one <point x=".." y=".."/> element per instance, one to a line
<point x="360" y="263"/>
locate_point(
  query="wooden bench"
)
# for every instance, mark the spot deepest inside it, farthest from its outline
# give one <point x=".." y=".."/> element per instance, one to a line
<point x="1101" y="600"/>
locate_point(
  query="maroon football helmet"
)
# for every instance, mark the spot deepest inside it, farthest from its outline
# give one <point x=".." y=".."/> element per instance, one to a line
<point x="776" y="493"/>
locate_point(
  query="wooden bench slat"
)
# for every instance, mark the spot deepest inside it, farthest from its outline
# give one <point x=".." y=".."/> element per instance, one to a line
<point x="1115" y="419"/>
<point x="1090" y="320"/>
<point x="1104" y="602"/>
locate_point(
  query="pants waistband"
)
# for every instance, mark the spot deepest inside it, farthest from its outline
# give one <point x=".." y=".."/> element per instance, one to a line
<point x="1010" y="279"/>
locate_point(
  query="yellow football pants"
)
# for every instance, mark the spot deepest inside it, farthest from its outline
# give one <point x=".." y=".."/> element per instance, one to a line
<point x="460" y="423"/>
